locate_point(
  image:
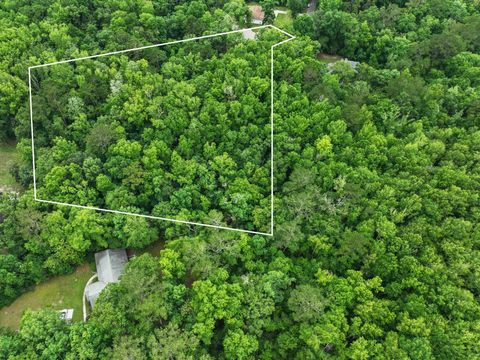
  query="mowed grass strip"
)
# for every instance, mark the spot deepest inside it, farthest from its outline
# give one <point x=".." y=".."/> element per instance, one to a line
<point x="8" y="155"/>
<point x="60" y="292"/>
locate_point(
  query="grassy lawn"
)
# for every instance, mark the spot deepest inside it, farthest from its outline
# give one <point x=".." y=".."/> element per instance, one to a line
<point x="284" y="21"/>
<point x="8" y="155"/>
<point x="58" y="293"/>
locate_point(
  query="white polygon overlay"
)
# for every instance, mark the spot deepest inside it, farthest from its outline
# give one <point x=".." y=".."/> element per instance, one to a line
<point x="290" y="37"/>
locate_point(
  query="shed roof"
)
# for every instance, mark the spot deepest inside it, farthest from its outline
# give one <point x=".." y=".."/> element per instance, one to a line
<point x="110" y="264"/>
<point x="249" y="34"/>
<point x="353" y="64"/>
<point x="66" y="314"/>
<point x="93" y="290"/>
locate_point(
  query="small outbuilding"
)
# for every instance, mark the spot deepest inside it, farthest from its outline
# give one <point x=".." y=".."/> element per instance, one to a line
<point x="110" y="265"/>
<point x="353" y="64"/>
<point x="66" y="314"/>
<point x="249" y="34"/>
<point x="93" y="290"/>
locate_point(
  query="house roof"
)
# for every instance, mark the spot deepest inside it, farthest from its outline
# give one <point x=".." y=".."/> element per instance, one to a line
<point x="93" y="290"/>
<point x="353" y="64"/>
<point x="249" y="34"/>
<point x="110" y="264"/>
<point x="257" y="12"/>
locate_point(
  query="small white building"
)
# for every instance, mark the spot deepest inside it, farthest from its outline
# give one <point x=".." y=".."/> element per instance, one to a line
<point x="66" y="314"/>
<point x="353" y="64"/>
<point x="277" y="12"/>
<point x="110" y="265"/>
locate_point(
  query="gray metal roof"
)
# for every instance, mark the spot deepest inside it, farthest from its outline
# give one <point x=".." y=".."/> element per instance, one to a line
<point x="352" y="63"/>
<point x="110" y="264"/>
<point x="93" y="290"/>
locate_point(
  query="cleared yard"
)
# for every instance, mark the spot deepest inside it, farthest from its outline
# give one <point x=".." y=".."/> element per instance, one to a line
<point x="284" y="21"/>
<point x="328" y="58"/>
<point x="60" y="292"/>
<point x="8" y="155"/>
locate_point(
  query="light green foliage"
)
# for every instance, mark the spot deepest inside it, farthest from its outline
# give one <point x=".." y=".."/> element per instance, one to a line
<point x="213" y="301"/>
<point x="239" y="345"/>
<point x="171" y="265"/>
<point x="324" y="146"/>
<point x="43" y="335"/>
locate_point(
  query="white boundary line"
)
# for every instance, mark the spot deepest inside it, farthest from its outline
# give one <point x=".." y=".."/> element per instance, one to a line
<point x="31" y="130"/>
<point x="271" y="125"/>
<point x="150" y="217"/>
<point x="291" y="37"/>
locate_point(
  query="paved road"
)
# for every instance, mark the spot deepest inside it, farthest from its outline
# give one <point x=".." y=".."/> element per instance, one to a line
<point x="312" y="6"/>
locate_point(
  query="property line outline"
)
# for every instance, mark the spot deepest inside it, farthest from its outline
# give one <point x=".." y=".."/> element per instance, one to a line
<point x="160" y="44"/>
<point x="291" y="37"/>
<point x="31" y="130"/>
<point x="151" y="217"/>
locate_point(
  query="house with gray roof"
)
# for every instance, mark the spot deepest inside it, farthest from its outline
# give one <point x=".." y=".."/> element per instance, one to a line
<point x="352" y="63"/>
<point x="110" y="265"/>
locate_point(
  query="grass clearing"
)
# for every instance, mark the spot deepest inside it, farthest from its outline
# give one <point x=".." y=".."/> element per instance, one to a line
<point x="284" y="21"/>
<point x="328" y="58"/>
<point x="60" y="292"/>
<point x="8" y="155"/>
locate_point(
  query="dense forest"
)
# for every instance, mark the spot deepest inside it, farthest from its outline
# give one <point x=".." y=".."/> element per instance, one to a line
<point x="376" y="246"/>
<point x="182" y="134"/>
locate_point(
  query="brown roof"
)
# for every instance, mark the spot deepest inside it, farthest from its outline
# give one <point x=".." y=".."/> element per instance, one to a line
<point x="257" y="12"/>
